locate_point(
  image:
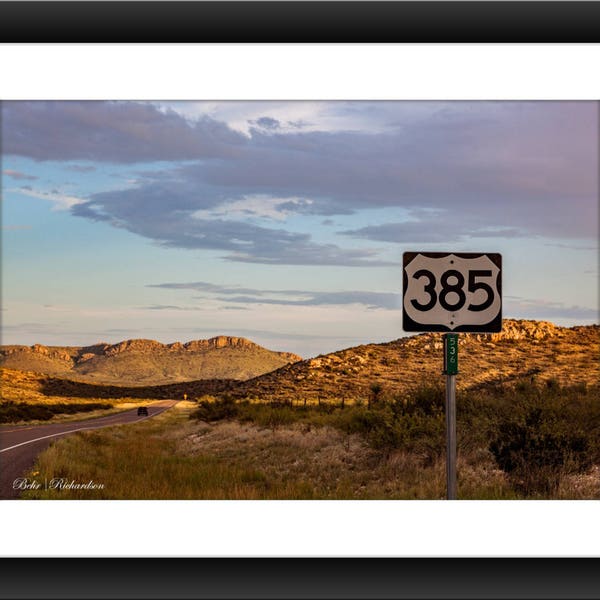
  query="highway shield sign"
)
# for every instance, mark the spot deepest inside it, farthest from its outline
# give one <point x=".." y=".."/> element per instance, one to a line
<point x="452" y="291"/>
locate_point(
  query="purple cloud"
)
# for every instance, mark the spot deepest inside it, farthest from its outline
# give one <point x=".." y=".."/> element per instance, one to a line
<point x="240" y="295"/>
<point x="464" y="170"/>
<point x="18" y="175"/>
<point x="115" y="132"/>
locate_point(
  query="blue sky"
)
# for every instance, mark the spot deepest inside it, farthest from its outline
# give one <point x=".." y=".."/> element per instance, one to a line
<point x="285" y="222"/>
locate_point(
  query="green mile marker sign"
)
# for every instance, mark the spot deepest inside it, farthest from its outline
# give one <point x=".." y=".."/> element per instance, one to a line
<point x="451" y="353"/>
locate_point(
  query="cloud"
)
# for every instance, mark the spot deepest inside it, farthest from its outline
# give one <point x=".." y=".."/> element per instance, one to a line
<point x="524" y="308"/>
<point x="246" y="296"/>
<point x="435" y="230"/>
<point x="59" y="200"/>
<point x="276" y="209"/>
<point x="203" y="286"/>
<point x="573" y="247"/>
<point x="513" y="306"/>
<point x="459" y="169"/>
<point x="384" y="300"/>
<point x="81" y="168"/>
<point x="173" y="225"/>
<point x="115" y="132"/>
<point x="18" y="175"/>
<point x="170" y="307"/>
<point x="300" y="124"/>
<point x="266" y="123"/>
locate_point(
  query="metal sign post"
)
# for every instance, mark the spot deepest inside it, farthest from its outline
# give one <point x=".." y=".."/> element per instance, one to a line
<point x="451" y="370"/>
<point x="452" y="292"/>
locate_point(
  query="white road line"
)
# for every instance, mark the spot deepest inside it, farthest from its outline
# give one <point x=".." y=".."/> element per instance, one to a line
<point x="80" y="429"/>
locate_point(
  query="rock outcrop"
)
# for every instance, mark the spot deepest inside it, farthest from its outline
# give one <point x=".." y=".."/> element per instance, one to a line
<point x="514" y="329"/>
<point x="521" y="350"/>
<point x="220" y="341"/>
<point x="134" y="346"/>
<point x="150" y="362"/>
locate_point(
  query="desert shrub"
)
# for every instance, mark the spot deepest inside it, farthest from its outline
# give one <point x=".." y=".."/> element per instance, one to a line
<point x="12" y="412"/>
<point x="427" y="399"/>
<point x="527" y="389"/>
<point x="378" y="427"/>
<point x="326" y="408"/>
<point x="210" y="409"/>
<point x="376" y="390"/>
<point x="539" y="450"/>
<point x="388" y="427"/>
<point x="361" y="420"/>
<point x="425" y="435"/>
<point x="580" y="388"/>
<point x="270" y="415"/>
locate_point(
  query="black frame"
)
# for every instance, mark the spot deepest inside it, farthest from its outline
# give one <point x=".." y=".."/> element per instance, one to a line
<point x="327" y="21"/>
<point x="324" y="21"/>
<point x="300" y="578"/>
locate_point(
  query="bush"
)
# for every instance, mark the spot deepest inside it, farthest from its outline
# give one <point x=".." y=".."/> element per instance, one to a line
<point x="270" y="415"/>
<point x="396" y="425"/>
<point x="12" y="412"/>
<point x="376" y="390"/>
<point x="428" y="399"/>
<point x="211" y="409"/>
<point x="537" y="452"/>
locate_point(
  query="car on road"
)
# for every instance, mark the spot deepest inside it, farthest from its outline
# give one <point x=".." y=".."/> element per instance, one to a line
<point x="143" y="410"/>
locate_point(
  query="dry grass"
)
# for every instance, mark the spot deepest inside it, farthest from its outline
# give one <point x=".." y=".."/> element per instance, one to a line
<point x="394" y="450"/>
<point x="339" y="466"/>
<point x="580" y="487"/>
<point x="173" y="457"/>
<point x="140" y="462"/>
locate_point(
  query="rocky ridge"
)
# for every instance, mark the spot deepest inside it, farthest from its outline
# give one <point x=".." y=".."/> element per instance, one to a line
<point x="523" y="349"/>
<point x="145" y="361"/>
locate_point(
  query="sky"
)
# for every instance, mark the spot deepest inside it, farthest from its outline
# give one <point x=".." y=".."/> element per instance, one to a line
<point x="285" y="222"/>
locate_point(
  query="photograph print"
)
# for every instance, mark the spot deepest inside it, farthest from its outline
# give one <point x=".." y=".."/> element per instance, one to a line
<point x="346" y="300"/>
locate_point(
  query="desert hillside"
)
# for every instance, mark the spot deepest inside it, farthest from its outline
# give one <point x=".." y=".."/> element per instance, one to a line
<point x="28" y="386"/>
<point x="147" y="362"/>
<point x="524" y="349"/>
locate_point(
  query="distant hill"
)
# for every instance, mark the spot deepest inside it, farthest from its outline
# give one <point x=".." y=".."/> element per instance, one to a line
<point x="148" y="362"/>
<point x="523" y="350"/>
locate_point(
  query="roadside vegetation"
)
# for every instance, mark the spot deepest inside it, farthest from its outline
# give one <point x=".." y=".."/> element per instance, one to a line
<point x="24" y="401"/>
<point x="536" y="436"/>
<point x="64" y="410"/>
<point x="527" y="439"/>
<point x="13" y="412"/>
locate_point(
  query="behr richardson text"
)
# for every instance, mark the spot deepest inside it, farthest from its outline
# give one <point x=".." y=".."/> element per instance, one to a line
<point x="57" y="483"/>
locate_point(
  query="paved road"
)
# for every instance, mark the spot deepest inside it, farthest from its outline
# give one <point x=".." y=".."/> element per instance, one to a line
<point x="19" y="446"/>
